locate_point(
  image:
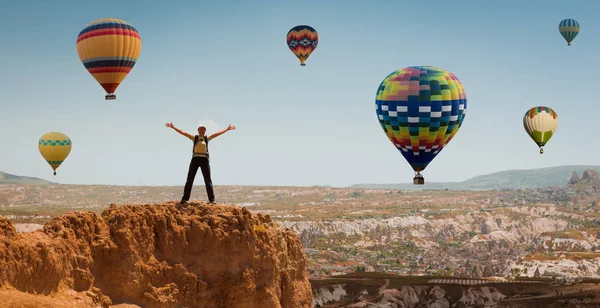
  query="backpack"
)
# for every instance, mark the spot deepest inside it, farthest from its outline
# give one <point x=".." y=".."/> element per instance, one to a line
<point x="196" y="141"/>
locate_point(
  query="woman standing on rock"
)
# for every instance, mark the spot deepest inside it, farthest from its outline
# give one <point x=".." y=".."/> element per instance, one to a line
<point x="200" y="158"/>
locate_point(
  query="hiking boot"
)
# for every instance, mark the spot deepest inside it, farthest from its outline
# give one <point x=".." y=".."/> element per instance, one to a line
<point x="212" y="202"/>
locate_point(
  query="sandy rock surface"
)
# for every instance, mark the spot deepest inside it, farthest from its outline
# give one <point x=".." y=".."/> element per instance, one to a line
<point x="155" y="255"/>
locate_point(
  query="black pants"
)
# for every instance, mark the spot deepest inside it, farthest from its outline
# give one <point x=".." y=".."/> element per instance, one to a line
<point x="204" y="165"/>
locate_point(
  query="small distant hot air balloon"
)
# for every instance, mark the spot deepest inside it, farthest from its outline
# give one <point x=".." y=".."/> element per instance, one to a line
<point x="302" y="41"/>
<point x="109" y="48"/>
<point x="568" y="28"/>
<point x="420" y="109"/>
<point x="540" y="123"/>
<point x="54" y="147"/>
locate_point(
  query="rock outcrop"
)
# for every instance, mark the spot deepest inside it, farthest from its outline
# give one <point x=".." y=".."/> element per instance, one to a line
<point x="537" y="273"/>
<point x="574" y="179"/>
<point x="589" y="177"/>
<point x="585" y="191"/>
<point x="159" y="255"/>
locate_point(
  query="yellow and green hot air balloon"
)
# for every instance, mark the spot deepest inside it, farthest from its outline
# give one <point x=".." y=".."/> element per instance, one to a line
<point x="109" y="48"/>
<point x="54" y="147"/>
<point x="540" y="123"/>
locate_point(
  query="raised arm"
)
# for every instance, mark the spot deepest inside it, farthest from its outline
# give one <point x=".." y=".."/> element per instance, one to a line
<point x="221" y="132"/>
<point x="170" y="124"/>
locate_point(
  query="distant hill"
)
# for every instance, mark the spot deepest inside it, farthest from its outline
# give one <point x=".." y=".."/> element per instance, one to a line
<point x="7" y="178"/>
<point x="510" y="179"/>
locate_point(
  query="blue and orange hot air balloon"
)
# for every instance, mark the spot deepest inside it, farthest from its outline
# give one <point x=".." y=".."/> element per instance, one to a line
<point x="420" y="109"/>
<point x="302" y="41"/>
<point x="109" y="48"/>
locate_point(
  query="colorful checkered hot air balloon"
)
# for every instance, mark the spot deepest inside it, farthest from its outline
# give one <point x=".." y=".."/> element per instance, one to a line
<point x="302" y="41"/>
<point x="540" y="124"/>
<point x="54" y="147"/>
<point x="568" y="28"/>
<point x="109" y="48"/>
<point x="420" y="109"/>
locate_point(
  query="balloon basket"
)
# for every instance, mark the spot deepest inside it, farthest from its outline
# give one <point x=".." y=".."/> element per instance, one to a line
<point x="541" y="151"/>
<point x="418" y="180"/>
<point x="302" y="64"/>
<point x="110" y="97"/>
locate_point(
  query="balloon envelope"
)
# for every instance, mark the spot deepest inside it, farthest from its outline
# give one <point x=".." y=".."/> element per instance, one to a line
<point x="420" y="109"/>
<point x="54" y="147"/>
<point x="540" y="124"/>
<point x="568" y="28"/>
<point x="302" y="41"/>
<point x="109" y="48"/>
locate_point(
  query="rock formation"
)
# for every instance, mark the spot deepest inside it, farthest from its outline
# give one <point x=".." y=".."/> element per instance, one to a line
<point x="537" y="273"/>
<point x="159" y="255"/>
<point x="585" y="190"/>
<point x="574" y="179"/>
<point x="590" y="175"/>
<point x="476" y="272"/>
<point x="487" y="271"/>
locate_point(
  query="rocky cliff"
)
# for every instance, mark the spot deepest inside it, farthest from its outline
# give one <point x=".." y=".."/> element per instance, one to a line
<point x="157" y="255"/>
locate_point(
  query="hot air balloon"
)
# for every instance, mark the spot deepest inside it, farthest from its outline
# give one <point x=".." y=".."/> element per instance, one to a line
<point x="420" y="109"/>
<point x="568" y="28"/>
<point x="540" y="123"/>
<point x="109" y="48"/>
<point x="54" y="147"/>
<point x="302" y="41"/>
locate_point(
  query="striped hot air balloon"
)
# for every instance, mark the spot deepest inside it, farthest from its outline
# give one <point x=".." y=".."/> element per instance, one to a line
<point x="109" y="48"/>
<point x="540" y="124"/>
<point x="302" y="41"/>
<point x="569" y="28"/>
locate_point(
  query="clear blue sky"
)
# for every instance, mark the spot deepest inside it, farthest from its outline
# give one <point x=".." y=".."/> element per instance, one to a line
<point x="227" y="62"/>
